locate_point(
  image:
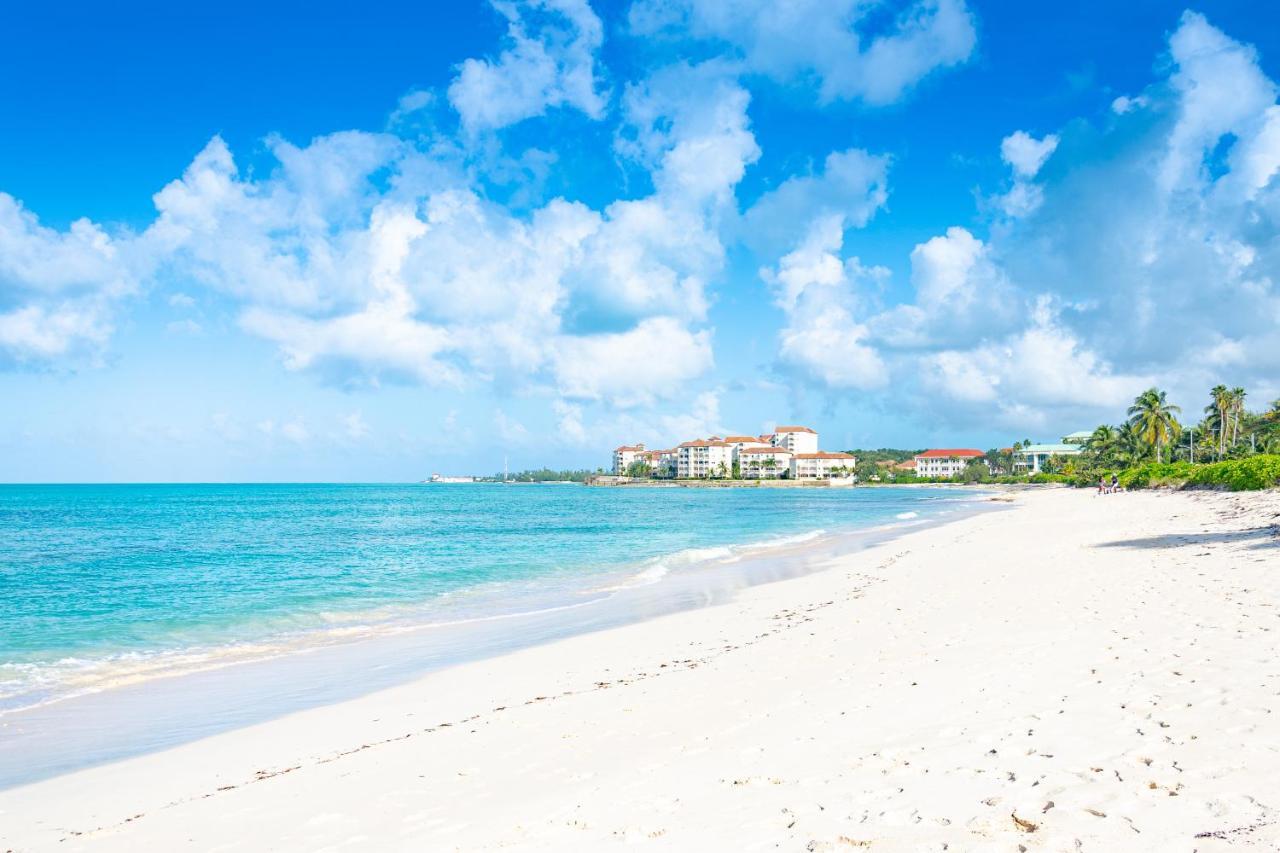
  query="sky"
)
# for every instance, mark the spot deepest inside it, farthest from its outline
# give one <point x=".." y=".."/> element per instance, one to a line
<point x="297" y="242"/>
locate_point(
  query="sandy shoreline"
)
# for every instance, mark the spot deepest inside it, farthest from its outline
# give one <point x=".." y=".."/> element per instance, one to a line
<point x="1081" y="673"/>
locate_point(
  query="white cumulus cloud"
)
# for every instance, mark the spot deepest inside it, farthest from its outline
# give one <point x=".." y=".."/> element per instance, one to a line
<point x="821" y="40"/>
<point x="548" y="60"/>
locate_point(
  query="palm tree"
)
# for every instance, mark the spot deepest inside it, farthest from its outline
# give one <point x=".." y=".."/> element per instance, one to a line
<point x="1217" y="410"/>
<point x="1129" y="446"/>
<point x="1237" y="413"/>
<point x="1153" y="418"/>
<point x="1103" y="443"/>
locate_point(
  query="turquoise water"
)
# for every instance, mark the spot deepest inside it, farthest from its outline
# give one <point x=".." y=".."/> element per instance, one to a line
<point x="110" y="585"/>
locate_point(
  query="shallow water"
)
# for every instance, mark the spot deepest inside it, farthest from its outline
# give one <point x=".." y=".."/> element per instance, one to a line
<point x="122" y="604"/>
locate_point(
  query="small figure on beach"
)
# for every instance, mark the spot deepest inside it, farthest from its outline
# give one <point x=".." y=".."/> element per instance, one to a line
<point x="1102" y="484"/>
<point x="1115" y="483"/>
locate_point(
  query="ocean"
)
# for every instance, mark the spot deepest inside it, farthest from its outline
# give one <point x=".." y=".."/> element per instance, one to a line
<point x="128" y="589"/>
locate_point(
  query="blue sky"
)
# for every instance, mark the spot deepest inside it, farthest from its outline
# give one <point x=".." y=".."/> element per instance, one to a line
<point x="312" y="243"/>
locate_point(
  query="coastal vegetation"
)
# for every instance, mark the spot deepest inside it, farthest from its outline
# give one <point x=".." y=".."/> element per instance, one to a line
<point x="542" y="475"/>
<point x="1229" y="447"/>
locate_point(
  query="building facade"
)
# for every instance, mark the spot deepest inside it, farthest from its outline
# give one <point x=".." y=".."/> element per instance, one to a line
<point x="821" y="466"/>
<point x="764" y="462"/>
<point x="797" y="439"/>
<point x="1032" y="458"/>
<point x="945" y="462"/>
<point x="662" y="463"/>
<point x="704" y="458"/>
<point x="788" y="451"/>
<point x="624" y="456"/>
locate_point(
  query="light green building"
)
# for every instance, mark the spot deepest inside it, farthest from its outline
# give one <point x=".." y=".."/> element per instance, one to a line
<point x="1033" y="457"/>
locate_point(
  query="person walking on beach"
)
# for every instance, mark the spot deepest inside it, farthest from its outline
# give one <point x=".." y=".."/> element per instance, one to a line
<point x="1102" y="484"/>
<point x="1115" y="483"/>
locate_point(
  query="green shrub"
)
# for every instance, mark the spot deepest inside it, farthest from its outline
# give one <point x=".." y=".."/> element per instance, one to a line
<point x="1156" y="475"/>
<point x="1251" y="473"/>
<point x="1044" y="477"/>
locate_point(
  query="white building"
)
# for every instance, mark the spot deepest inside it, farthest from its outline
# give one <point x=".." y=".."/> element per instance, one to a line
<point x="821" y="465"/>
<point x="797" y="439"/>
<point x="662" y="463"/>
<point x="763" y="462"/>
<point x="704" y="458"/>
<point x="945" y="462"/>
<point x="623" y="457"/>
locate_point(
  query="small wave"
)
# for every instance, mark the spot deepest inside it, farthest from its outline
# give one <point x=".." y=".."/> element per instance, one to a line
<point x="657" y="568"/>
<point x="905" y="515"/>
<point x="783" y="541"/>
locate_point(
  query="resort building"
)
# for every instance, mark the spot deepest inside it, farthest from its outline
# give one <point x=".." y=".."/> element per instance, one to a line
<point x="704" y="458"/>
<point x="624" y="456"/>
<point x="763" y="462"/>
<point x="788" y="452"/>
<point x="797" y="439"/>
<point x="1033" y="457"/>
<point x="741" y="441"/>
<point x="946" y="462"/>
<point x="662" y="463"/>
<point x="821" y="466"/>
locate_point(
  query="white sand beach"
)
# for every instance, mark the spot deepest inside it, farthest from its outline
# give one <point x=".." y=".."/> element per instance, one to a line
<point x="1079" y="673"/>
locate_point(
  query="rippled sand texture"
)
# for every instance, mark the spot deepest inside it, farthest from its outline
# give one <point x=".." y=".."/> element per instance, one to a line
<point x="1083" y="673"/>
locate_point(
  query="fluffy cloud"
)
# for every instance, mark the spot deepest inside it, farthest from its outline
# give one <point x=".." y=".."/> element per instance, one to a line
<point x="817" y="293"/>
<point x="58" y="289"/>
<point x="852" y="186"/>
<point x="1034" y="378"/>
<point x="1148" y="256"/>
<point x="820" y="40"/>
<point x="548" y="61"/>
<point x="364" y="258"/>
<point x="632" y="367"/>
<point x="1025" y="154"/>
<point x="962" y="296"/>
<point x="1161" y="232"/>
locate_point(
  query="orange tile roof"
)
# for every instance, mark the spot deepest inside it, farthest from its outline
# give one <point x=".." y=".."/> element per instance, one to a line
<point x="793" y="429"/>
<point x="628" y="447"/>
<point x="739" y="438"/>
<point x="823" y="454"/>
<point x="966" y="452"/>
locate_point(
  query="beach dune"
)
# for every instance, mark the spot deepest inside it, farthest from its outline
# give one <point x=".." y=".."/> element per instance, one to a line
<point x="1077" y="673"/>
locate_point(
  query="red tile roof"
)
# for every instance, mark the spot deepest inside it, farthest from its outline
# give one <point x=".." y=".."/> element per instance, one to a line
<point x="793" y="429"/>
<point x="740" y="438"/>
<point x="627" y="447"/>
<point x="964" y="452"/>
<point x="823" y="454"/>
